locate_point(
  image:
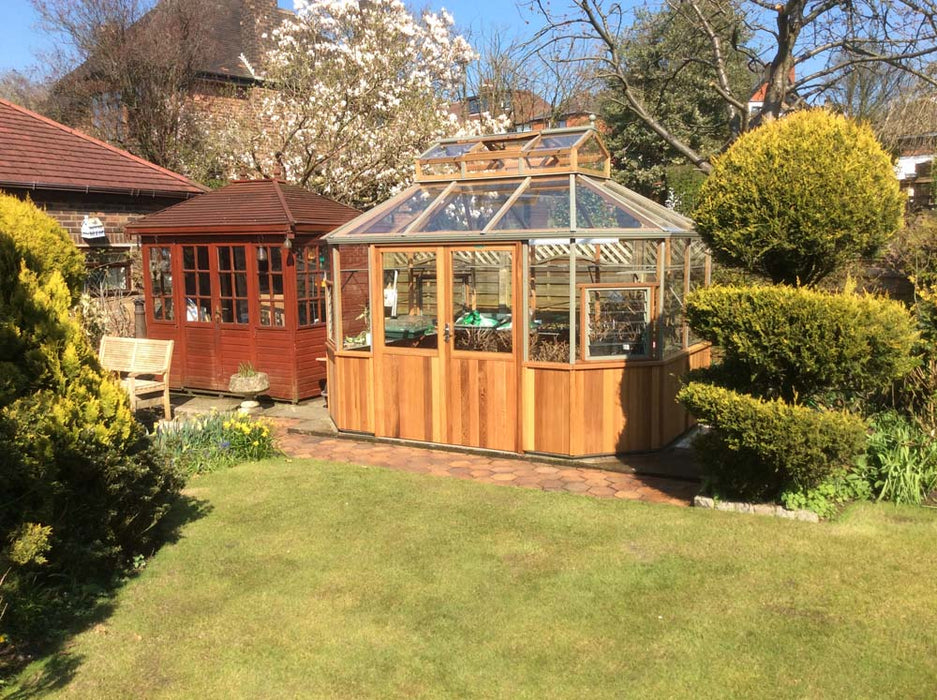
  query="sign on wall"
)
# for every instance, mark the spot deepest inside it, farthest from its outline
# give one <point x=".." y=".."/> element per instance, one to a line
<point x="92" y="228"/>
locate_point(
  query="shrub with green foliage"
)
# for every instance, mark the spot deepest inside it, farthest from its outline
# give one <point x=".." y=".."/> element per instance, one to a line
<point x="799" y="198"/>
<point x="901" y="461"/>
<point x="206" y="443"/>
<point x="757" y="448"/>
<point x="795" y="343"/>
<point x="75" y="463"/>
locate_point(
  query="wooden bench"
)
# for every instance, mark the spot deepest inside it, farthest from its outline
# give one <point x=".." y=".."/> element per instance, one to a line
<point x="142" y="365"/>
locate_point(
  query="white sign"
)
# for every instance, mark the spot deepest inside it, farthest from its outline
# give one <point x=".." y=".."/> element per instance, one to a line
<point x="92" y="227"/>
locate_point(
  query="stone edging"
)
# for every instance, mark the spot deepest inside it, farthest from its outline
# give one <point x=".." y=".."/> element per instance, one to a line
<point x="757" y="508"/>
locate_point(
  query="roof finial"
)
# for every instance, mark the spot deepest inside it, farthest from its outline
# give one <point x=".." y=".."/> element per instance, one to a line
<point x="279" y="170"/>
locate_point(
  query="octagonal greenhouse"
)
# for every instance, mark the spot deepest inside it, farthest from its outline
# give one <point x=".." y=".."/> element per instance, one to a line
<point x="515" y="298"/>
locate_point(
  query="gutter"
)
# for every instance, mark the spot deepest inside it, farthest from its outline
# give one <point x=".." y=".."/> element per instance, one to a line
<point x="89" y="189"/>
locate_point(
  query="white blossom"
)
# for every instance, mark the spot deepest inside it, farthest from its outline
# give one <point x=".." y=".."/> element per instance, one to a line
<point x="354" y="91"/>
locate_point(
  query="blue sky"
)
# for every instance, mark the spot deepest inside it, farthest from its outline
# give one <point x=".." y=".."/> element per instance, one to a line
<point x="20" y="39"/>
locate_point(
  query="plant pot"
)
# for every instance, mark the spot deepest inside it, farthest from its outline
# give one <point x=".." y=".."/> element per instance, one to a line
<point x="249" y="387"/>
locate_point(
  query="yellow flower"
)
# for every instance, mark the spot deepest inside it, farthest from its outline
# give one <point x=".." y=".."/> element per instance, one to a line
<point x="255" y="443"/>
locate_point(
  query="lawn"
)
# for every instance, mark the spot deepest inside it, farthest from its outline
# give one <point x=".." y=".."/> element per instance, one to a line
<point x="300" y="578"/>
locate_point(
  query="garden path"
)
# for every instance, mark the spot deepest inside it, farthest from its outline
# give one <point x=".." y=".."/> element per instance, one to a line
<point x="486" y="468"/>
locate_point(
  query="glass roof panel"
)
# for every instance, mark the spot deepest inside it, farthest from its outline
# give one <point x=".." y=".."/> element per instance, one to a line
<point x="557" y="141"/>
<point x="469" y="207"/>
<point x="543" y="205"/>
<point x="591" y="155"/>
<point x="597" y="209"/>
<point x="403" y="214"/>
<point x="449" y="150"/>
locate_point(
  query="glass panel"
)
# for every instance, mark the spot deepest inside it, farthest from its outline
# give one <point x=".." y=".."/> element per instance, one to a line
<point x="227" y="311"/>
<point x="353" y="298"/>
<point x="557" y="141"/>
<point x="617" y="322"/>
<point x="190" y="283"/>
<point x="224" y="258"/>
<point x="595" y="209"/>
<point x="548" y="303"/>
<point x="697" y="254"/>
<point x="543" y="205"/>
<point x="410" y="301"/>
<point x="270" y="286"/>
<point x="469" y="207"/>
<point x="240" y="258"/>
<point x="160" y="266"/>
<point x="188" y="257"/>
<point x="202" y="257"/>
<point x="482" y="301"/>
<point x="225" y="281"/>
<point x="590" y="155"/>
<point x="204" y="284"/>
<point x="401" y="215"/>
<point x="310" y="279"/>
<point x="449" y="150"/>
<point x="198" y="302"/>
<point x="673" y="296"/>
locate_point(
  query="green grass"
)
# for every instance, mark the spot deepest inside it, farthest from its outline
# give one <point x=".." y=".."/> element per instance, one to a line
<point x="310" y="579"/>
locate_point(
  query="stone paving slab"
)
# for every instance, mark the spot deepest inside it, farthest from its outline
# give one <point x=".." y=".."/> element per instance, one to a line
<point x="489" y="469"/>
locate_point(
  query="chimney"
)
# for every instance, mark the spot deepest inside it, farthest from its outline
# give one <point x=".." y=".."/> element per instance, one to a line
<point x="258" y="17"/>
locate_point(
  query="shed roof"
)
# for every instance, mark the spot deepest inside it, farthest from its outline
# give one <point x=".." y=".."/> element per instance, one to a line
<point x="248" y="206"/>
<point x="549" y="184"/>
<point x="38" y="153"/>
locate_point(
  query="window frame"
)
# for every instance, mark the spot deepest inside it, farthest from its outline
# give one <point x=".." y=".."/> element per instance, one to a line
<point x="651" y="351"/>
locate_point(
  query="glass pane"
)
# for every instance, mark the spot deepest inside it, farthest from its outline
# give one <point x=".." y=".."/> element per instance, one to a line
<point x="240" y="258"/>
<point x="352" y="290"/>
<point x="188" y="257"/>
<point x="410" y="301"/>
<point x="167" y="309"/>
<point x="558" y="140"/>
<point x="469" y="207"/>
<point x="240" y="284"/>
<point x="204" y="284"/>
<point x="301" y="286"/>
<point x="276" y="260"/>
<point x="591" y="155"/>
<point x="190" y="284"/>
<point x="202" y="252"/>
<point x="596" y="209"/>
<point x="482" y="301"/>
<point x="617" y="322"/>
<point x="242" y="313"/>
<point x="400" y="216"/>
<point x="224" y="258"/>
<point x="204" y="310"/>
<point x="449" y="150"/>
<point x="548" y="302"/>
<point x="225" y="281"/>
<point x="303" y="317"/>
<point x="543" y="205"/>
<point x="227" y="311"/>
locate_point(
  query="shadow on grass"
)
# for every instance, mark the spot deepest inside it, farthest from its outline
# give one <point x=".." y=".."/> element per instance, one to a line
<point x="57" y="663"/>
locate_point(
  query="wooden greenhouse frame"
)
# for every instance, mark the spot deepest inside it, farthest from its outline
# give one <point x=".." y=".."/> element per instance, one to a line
<point x="549" y="315"/>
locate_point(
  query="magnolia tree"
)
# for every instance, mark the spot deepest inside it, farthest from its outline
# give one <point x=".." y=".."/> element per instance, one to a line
<point x="353" y="91"/>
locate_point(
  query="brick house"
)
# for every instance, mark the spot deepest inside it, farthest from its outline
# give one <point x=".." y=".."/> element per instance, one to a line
<point x="528" y="111"/>
<point x="92" y="188"/>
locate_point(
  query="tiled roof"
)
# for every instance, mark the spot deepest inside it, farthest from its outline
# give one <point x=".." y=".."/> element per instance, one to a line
<point x="38" y="153"/>
<point x="248" y="206"/>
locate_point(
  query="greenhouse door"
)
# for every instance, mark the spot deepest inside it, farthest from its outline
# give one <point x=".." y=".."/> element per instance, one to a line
<point x="481" y="324"/>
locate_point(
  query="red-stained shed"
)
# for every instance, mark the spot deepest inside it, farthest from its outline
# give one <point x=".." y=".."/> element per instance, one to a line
<point x="248" y="206"/>
<point x="38" y="153"/>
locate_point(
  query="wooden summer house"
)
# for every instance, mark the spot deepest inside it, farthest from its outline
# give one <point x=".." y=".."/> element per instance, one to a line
<point x="515" y="298"/>
<point x="237" y="276"/>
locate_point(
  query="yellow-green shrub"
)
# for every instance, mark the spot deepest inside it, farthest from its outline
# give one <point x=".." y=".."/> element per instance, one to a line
<point x="796" y="343"/>
<point x="799" y="198"/>
<point x="757" y="448"/>
<point x="75" y="462"/>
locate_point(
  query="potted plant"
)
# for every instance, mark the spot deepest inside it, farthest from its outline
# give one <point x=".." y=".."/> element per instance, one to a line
<point x="248" y="382"/>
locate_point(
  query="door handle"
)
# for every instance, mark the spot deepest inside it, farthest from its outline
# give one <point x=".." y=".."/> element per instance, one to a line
<point x="446" y="333"/>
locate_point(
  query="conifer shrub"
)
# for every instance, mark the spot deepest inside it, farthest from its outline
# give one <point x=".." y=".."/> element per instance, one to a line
<point x="796" y="343"/>
<point x="757" y="448"/>
<point x="799" y="198"/>
<point x="75" y="464"/>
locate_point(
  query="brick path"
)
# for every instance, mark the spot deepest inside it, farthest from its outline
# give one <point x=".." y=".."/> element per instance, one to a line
<point x="489" y="469"/>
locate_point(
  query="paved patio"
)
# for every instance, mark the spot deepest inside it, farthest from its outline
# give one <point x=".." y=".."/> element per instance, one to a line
<point x="486" y="468"/>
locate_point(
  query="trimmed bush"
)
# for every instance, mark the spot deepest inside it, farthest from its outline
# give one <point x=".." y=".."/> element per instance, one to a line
<point x="796" y="343"/>
<point x="799" y="198"/>
<point x="758" y="448"/>
<point x="76" y="466"/>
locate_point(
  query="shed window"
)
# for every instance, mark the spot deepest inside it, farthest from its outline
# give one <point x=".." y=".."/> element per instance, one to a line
<point x="310" y="285"/>
<point x="197" y="275"/>
<point x="232" y="277"/>
<point x="270" y="286"/>
<point x="160" y="267"/>
<point x="616" y="322"/>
